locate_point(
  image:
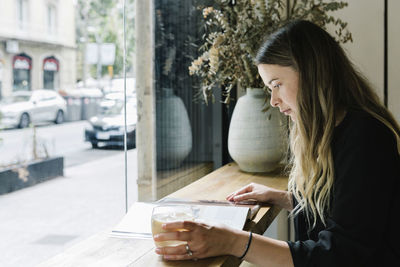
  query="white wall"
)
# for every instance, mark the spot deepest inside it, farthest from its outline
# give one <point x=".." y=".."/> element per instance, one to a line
<point x="365" y="22"/>
<point x="7" y="15"/>
<point x="66" y="22"/>
<point x="394" y="58"/>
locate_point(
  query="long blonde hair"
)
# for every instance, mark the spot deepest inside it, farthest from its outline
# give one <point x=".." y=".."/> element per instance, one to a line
<point x="328" y="86"/>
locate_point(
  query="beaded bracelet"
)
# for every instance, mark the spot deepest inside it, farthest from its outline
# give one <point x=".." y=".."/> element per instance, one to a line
<point x="247" y="246"/>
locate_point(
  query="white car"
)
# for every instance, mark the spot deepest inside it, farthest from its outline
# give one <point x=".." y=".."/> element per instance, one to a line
<point x="117" y="85"/>
<point x="111" y="99"/>
<point x="25" y="107"/>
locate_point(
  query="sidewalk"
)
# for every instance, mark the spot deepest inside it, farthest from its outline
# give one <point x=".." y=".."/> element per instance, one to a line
<point x="41" y="221"/>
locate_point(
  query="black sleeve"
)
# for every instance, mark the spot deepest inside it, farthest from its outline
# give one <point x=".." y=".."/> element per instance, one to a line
<point x="366" y="171"/>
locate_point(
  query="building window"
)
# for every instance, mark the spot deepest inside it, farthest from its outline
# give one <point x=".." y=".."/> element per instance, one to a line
<point x="1" y="79"/>
<point x="22" y="13"/>
<point x="22" y="65"/>
<point x="51" y="20"/>
<point x="50" y="72"/>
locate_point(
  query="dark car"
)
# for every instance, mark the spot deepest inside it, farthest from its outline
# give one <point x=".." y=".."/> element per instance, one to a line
<point x="108" y="128"/>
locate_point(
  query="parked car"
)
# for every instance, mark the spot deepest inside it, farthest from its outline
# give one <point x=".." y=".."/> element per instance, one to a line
<point x="111" y="99"/>
<point x="117" y="85"/>
<point x="108" y="128"/>
<point x="25" y="107"/>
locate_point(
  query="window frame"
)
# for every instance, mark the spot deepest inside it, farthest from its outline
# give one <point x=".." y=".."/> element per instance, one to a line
<point x="22" y="14"/>
<point x="51" y="18"/>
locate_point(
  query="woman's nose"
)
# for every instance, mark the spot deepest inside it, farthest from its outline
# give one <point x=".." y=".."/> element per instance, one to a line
<point x="274" y="101"/>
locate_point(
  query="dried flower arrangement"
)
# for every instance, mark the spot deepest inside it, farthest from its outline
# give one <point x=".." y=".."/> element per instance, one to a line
<point x="234" y="29"/>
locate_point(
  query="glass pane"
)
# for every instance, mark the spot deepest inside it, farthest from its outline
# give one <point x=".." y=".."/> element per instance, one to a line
<point x="62" y="158"/>
<point x="187" y="144"/>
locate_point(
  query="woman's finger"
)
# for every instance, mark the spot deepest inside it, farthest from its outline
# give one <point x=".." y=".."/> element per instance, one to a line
<point x="231" y="195"/>
<point x="246" y="189"/>
<point x="177" y="250"/>
<point x="176" y="253"/>
<point x="245" y="196"/>
<point x="188" y="225"/>
<point x="179" y="257"/>
<point x="176" y="235"/>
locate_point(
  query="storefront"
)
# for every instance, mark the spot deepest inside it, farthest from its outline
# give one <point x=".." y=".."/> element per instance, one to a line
<point x="22" y="66"/>
<point x="51" y="67"/>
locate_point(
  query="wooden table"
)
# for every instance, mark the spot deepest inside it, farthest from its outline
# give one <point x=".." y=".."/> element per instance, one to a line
<point x="103" y="250"/>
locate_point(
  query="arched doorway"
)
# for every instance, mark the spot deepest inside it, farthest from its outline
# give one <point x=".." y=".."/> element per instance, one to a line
<point x="22" y="65"/>
<point x="50" y="72"/>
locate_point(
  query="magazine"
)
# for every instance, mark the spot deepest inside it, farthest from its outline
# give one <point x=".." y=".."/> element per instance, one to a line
<point x="137" y="221"/>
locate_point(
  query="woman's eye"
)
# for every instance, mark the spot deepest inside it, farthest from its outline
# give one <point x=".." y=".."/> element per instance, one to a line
<point x="277" y="85"/>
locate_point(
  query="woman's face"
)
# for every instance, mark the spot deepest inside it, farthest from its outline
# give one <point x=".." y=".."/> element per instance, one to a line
<point x="283" y="83"/>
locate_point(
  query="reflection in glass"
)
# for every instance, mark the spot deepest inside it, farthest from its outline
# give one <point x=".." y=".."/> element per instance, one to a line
<point x="184" y="127"/>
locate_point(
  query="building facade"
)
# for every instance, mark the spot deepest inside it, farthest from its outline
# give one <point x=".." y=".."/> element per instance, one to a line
<point x="37" y="45"/>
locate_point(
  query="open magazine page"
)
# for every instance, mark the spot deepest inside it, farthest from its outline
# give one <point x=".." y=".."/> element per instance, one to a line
<point x="252" y="205"/>
<point x="137" y="222"/>
<point x="229" y="215"/>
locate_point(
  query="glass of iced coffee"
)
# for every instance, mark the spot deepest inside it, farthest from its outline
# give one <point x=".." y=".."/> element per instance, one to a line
<point x="169" y="213"/>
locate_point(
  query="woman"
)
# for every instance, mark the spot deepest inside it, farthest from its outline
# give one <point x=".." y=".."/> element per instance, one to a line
<point x="345" y="164"/>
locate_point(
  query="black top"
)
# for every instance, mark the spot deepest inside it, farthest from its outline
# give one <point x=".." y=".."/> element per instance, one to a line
<point x="362" y="227"/>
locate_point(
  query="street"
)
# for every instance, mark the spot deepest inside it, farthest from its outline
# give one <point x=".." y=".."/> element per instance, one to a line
<point x="65" y="139"/>
<point x="41" y="221"/>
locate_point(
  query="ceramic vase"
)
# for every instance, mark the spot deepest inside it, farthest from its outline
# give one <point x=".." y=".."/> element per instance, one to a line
<point x="257" y="140"/>
<point x="173" y="131"/>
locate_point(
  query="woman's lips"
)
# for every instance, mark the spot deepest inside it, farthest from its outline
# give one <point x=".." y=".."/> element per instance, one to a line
<point x="287" y="111"/>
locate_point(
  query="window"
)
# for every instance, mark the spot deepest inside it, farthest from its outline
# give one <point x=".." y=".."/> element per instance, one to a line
<point x="187" y="133"/>
<point x="22" y="14"/>
<point x="51" y="20"/>
<point x="95" y="176"/>
<point x="22" y="65"/>
<point x="1" y="78"/>
<point x="50" y="73"/>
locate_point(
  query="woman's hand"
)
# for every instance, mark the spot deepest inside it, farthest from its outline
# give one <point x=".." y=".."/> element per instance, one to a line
<point x="203" y="240"/>
<point x="262" y="193"/>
